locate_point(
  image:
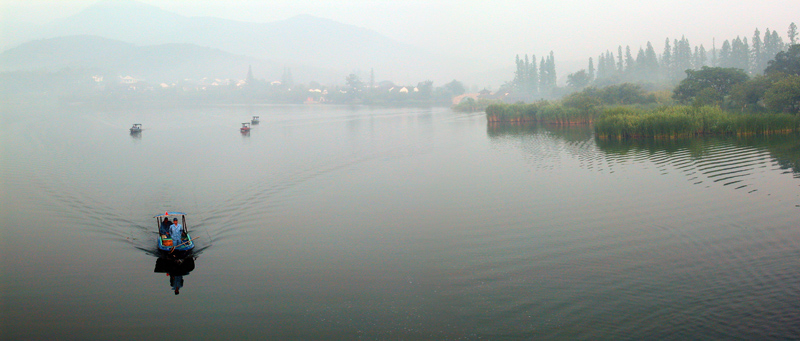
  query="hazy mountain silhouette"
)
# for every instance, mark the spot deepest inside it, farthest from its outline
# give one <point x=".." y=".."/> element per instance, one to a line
<point x="305" y="43"/>
<point x="154" y="63"/>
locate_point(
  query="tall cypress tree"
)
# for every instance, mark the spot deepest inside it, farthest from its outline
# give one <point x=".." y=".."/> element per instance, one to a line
<point x="542" y="77"/>
<point x="601" y="67"/>
<point x="683" y="57"/>
<point x="740" y="54"/>
<point x="714" y="61"/>
<point x="702" y="59"/>
<point x="651" y="62"/>
<point x="533" y="76"/>
<point x="552" y="69"/>
<point x="757" y="55"/>
<point x="666" y="59"/>
<point x="775" y="44"/>
<point x="725" y="54"/>
<point x="519" y="75"/>
<point x="630" y="63"/>
<point x="526" y="76"/>
<point x="641" y="65"/>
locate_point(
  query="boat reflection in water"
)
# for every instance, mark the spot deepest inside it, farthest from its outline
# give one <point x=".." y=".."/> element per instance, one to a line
<point x="175" y="268"/>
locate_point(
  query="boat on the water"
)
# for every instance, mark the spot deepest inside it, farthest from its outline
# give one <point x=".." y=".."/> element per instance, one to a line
<point x="255" y="120"/>
<point x="245" y="128"/>
<point x="136" y="128"/>
<point x="165" y="243"/>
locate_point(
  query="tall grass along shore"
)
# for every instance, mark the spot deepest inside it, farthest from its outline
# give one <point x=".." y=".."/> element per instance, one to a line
<point x="687" y="121"/>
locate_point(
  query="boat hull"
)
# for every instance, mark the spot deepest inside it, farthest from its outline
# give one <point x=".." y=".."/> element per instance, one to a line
<point x="184" y="247"/>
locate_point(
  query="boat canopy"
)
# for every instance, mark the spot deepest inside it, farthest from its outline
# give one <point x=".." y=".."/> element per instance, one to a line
<point x="169" y="213"/>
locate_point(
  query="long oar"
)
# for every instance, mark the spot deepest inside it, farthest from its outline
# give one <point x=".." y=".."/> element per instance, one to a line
<point x="190" y="240"/>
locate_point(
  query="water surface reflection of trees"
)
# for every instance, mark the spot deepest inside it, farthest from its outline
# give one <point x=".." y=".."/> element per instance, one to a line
<point x="783" y="148"/>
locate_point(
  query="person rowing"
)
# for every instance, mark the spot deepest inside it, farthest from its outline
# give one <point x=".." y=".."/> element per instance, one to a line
<point x="176" y="232"/>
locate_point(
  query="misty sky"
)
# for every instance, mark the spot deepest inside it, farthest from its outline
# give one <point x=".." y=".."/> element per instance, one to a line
<point x="492" y="30"/>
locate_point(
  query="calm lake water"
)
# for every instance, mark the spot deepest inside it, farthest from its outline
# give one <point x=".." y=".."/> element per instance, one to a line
<point x="372" y="223"/>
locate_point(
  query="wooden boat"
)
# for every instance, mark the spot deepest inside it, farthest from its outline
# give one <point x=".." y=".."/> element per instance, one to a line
<point x="245" y="128"/>
<point x="254" y="120"/>
<point x="136" y="128"/>
<point x="166" y="244"/>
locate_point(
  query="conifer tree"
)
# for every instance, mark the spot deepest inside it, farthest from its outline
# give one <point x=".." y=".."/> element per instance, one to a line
<point x="757" y="54"/>
<point x="714" y="61"/>
<point x="776" y="45"/>
<point x="651" y="61"/>
<point x="591" y="69"/>
<point x="666" y="58"/>
<point x="640" y="66"/>
<point x="792" y="34"/>
<point x="630" y="63"/>
<point x="519" y="75"/>
<point x="526" y="77"/>
<point x="533" y="77"/>
<point x="702" y="58"/>
<point x="542" y="77"/>
<point x="740" y="54"/>
<point x="725" y="55"/>
<point x="552" y="66"/>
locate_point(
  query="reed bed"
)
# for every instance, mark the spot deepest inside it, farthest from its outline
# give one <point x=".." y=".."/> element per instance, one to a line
<point x="686" y="121"/>
<point x="544" y="112"/>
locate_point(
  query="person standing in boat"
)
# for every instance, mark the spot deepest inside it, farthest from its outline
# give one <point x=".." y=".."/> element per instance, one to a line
<point x="176" y="231"/>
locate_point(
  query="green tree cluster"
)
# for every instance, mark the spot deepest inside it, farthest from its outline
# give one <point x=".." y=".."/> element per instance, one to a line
<point x="778" y="90"/>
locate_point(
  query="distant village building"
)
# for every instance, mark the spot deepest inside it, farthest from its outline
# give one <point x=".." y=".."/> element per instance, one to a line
<point x="134" y="84"/>
<point x="128" y="80"/>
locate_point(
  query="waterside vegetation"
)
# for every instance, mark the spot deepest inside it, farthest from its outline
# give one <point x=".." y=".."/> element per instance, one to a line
<point x="709" y="101"/>
<point x="687" y="121"/>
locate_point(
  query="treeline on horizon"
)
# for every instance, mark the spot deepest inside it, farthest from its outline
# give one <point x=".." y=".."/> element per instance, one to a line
<point x="709" y="101"/>
<point x="535" y="81"/>
<point x="74" y="85"/>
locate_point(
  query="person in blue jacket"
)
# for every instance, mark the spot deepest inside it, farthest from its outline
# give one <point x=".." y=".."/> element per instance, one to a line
<point x="176" y="232"/>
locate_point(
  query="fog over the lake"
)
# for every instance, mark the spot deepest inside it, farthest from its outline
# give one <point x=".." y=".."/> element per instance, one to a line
<point x="489" y="33"/>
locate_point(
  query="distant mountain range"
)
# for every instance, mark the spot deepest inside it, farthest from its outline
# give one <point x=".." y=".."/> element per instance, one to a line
<point x="137" y="38"/>
<point x="152" y="63"/>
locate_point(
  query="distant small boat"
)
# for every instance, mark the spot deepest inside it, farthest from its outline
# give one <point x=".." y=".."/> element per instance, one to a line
<point x="165" y="243"/>
<point x="254" y="120"/>
<point x="136" y="128"/>
<point x="245" y="128"/>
